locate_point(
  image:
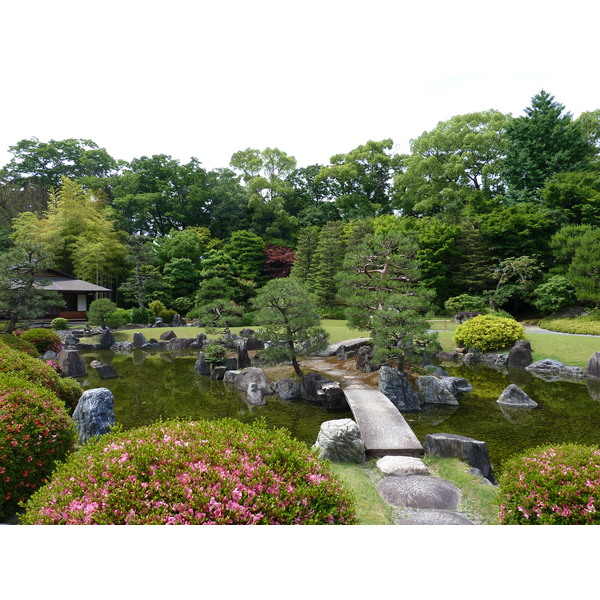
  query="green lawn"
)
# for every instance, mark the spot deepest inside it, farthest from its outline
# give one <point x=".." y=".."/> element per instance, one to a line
<point x="572" y="350"/>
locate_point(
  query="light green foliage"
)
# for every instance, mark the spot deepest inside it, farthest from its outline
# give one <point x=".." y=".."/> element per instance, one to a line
<point x="563" y="245"/>
<point x="360" y="180"/>
<point x="16" y="343"/>
<point x="456" y="164"/>
<point x="575" y="194"/>
<point x="156" y="306"/>
<point x="215" y="353"/>
<point x="581" y="326"/>
<point x="191" y="243"/>
<point x="59" y="323"/>
<point x="118" y="318"/>
<point x="288" y="319"/>
<point x="167" y="315"/>
<point x="554" y="294"/>
<point x="551" y="485"/>
<point x="487" y="332"/>
<point x="220" y="313"/>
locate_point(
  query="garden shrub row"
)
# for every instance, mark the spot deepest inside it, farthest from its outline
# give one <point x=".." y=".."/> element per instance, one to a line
<point x="581" y="326"/>
<point x="36" y="432"/>
<point x="203" y="472"/>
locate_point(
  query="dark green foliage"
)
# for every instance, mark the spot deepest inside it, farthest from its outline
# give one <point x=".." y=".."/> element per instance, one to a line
<point x="288" y="319"/>
<point x="118" y="318"/>
<point x="551" y="485"/>
<point x="305" y="250"/>
<point x="220" y="313"/>
<point x="215" y="353"/>
<point x="247" y="252"/>
<point x="36" y="432"/>
<point x="140" y="315"/>
<point x="584" y="270"/>
<point x="100" y="310"/>
<point x="543" y="142"/>
<point x="466" y="303"/>
<point x="554" y="294"/>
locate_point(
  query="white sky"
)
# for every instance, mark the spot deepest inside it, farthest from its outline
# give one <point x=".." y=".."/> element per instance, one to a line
<point x="313" y="78"/>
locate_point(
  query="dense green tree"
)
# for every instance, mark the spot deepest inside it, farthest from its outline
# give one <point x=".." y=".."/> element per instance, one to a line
<point x="192" y="243"/>
<point x="584" y="270"/>
<point x="516" y="278"/>
<point x="22" y="296"/>
<point x="141" y="256"/>
<point x="308" y="239"/>
<point x="360" y="180"/>
<point x="247" y="251"/>
<point x="182" y="276"/>
<point x="456" y="164"/>
<point x="575" y="195"/>
<point x="542" y="142"/>
<point x="564" y="244"/>
<point x="380" y="284"/>
<point x="289" y="320"/>
<point x="554" y="294"/>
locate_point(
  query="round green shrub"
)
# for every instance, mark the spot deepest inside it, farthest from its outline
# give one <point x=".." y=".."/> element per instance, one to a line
<point x="100" y="310"/>
<point x="167" y="315"/>
<point x="204" y="472"/>
<point x="486" y="332"/>
<point x="141" y="316"/>
<point x="155" y="307"/>
<point x="551" y="485"/>
<point x="59" y="324"/>
<point x="16" y="343"/>
<point x="36" y="432"/>
<point x="466" y="303"/>
<point x="43" y="339"/>
<point x="118" y="318"/>
<point x="37" y="371"/>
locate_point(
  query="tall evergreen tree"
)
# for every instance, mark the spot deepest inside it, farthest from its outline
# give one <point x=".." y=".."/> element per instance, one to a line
<point x="541" y="143"/>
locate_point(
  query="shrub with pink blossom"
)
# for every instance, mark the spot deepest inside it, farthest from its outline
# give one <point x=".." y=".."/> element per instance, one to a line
<point x="16" y="343"/>
<point x="35" y="433"/>
<point x="43" y="339"/>
<point x="33" y="369"/>
<point x="203" y="472"/>
<point x="552" y="485"/>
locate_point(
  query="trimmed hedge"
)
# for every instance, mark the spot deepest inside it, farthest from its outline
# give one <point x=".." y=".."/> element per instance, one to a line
<point x="487" y="332"/>
<point x="16" y="343"/>
<point x="204" y="472"/>
<point x="36" y="432"/>
<point x="551" y="485"/>
<point x="43" y="339"/>
<point x="37" y="371"/>
<point x="59" y="324"/>
<point x="581" y="326"/>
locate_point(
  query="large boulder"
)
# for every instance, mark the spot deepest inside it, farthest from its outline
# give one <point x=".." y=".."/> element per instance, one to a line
<point x="316" y="388"/>
<point x="515" y="397"/>
<point x="71" y="363"/>
<point x="287" y="389"/>
<point x="340" y="441"/>
<point x="456" y="385"/>
<point x="229" y="376"/>
<point x="158" y="322"/>
<point x="449" y="445"/>
<point x="433" y="391"/>
<point x="395" y="385"/>
<point x="593" y="367"/>
<point x="180" y="343"/>
<point x="168" y="335"/>
<point x="106" y="371"/>
<point x="202" y="366"/>
<point x="364" y="358"/>
<point x="218" y="373"/>
<point x="253" y="375"/>
<point x="178" y="321"/>
<point x="107" y="339"/>
<point x="242" y="355"/>
<point x="553" y="370"/>
<point x="520" y="355"/>
<point x="199" y="341"/>
<point x="253" y="343"/>
<point x="94" y="414"/>
<point x="139" y="339"/>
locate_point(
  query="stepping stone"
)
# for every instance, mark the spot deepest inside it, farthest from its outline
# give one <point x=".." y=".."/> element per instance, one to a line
<point x="419" y="491"/>
<point x="435" y="517"/>
<point x="402" y="466"/>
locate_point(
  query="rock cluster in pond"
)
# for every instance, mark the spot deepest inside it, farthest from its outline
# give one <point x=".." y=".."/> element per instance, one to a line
<point x="553" y="370"/>
<point x="253" y="375"/>
<point x="515" y="397"/>
<point x="287" y="389"/>
<point x="340" y="440"/>
<point x="94" y="414"/>
<point x="106" y="371"/>
<point x="593" y="367"/>
<point x="318" y="389"/>
<point x="364" y="360"/>
<point x="473" y="452"/>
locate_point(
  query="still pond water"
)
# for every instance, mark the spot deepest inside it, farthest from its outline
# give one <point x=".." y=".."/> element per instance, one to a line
<point x="161" y="385"/>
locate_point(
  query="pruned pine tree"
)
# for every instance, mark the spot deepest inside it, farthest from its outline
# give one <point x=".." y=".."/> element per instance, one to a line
<point x="380" y="283"/>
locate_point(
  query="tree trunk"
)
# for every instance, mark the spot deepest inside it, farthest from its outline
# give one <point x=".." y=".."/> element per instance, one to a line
<point x="295" y="364"/>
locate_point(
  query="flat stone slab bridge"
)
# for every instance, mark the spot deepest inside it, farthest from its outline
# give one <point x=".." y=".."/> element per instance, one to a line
<point x="383" y="429"/>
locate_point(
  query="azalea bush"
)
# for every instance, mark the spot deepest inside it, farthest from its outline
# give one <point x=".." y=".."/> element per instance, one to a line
<point x="37" y="371"/>
<point x="43" y="339"/>
<point x="204" y="472"/>
<point x="16" y="343"/>
<point x="552" y="485"/>
<point x="35" y="433"/>
<point x="487" y="332"/>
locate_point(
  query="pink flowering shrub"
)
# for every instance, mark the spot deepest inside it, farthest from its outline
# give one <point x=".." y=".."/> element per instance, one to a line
<point x="33" y="369"/>
<point x="203" y="472"/>
<point x="43" y="339"/>
<point x="16" y="343"/>
<point x="556" y="485"/>
<point x="35" y="432"/>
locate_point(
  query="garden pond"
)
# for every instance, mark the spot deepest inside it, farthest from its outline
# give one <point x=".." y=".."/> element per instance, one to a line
<point x="164" y="385"/>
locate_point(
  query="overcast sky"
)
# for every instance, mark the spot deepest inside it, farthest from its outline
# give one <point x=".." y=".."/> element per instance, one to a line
<point x="312" y="78"/>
